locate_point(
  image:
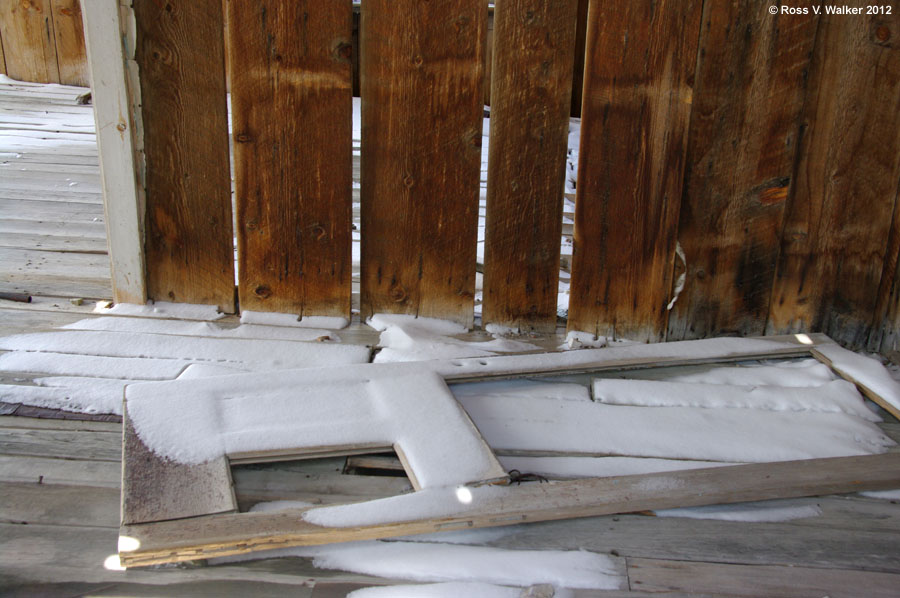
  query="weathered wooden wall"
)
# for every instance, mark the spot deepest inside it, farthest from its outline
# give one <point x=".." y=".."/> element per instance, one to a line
<point x="764" y="149"/>
<point x="43" y="41"/>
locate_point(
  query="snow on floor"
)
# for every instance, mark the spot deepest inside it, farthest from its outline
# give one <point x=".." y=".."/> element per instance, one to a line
<point x="417" y="561"/>
<point x="836" y="396"/>
<point x="748" y="512"/>
<point x="408" y="338"/>
<point x="209" y="329"/>
<point x="453" y="589"/>
<point x="162" y="309"/>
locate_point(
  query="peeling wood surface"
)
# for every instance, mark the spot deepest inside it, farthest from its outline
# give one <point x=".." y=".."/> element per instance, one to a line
<point x="743" y="140"/>
<point x="291" y="108"/>
<point x="421" y="159"/>
<point x="189" y="243"/>
<point x="531" y="95"/>
<point x="635" y="117"/>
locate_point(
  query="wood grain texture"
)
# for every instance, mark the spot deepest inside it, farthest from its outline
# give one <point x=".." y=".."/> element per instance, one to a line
<point x="839" y="215"/>
<point x="749" y="91"/>
<point x="29" y="43"/>
<point x="885" y="335"/>
<point x="531" y="94"/>
<point x="2" y="56"/>
<point x="68" y="29"/>
<point x="206" y="537"/>
<point x="637" y="103"/>
<point x="422" y="69"/>
<point x="154" y="489"/>
<point x="722" y="579"/>
<point x="292" y="111"/>
<point x="189" y="245"/>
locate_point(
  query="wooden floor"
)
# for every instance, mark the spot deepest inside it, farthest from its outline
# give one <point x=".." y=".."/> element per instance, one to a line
<point x="59" y="479"/>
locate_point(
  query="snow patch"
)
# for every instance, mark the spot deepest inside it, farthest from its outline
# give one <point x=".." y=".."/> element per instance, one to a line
<point x="749" y="512"/>
<point x="279" y="319"/>
<point x="163" y="309"/>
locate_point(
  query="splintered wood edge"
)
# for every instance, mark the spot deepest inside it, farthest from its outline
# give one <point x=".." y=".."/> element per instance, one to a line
<point x="230" y="534"/>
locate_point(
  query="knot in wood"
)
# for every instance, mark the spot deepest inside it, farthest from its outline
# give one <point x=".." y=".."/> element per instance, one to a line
<point x="417" y="60"/>
<point x="397" y="293"/>
<point x="342" y="50"/>
<point x="262" y="291"/>
<point x="883" y="33"/>
<point x="408" y="180"/>
<point x="319" y="232"/>
<point x="243" y="138"/>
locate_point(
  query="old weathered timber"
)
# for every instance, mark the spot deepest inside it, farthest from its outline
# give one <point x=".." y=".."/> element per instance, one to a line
<point x="291" y="107"/>
<point x="532" y="82"/>
<point x="637" y="105"/>
<point x="421" y="141"/>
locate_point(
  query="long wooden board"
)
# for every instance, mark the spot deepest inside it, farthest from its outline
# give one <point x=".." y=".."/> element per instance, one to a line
<point x="839" y="218"/>
<point x="531" y="100"/>
<point x="421" y="81"/>
<point x="291" y="108"/>
<point x="189" y="245"/>
<point x="236" y="534"/>
<point x="637" y="106"/>
<point x="742" y="145"/>
<point x="29" y="44"/>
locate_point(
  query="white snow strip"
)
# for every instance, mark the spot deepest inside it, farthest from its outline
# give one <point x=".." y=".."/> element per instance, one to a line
<point x="800" y="373"/>
<point x="882" y="494"/>
<point x="750" y="512"/>
<point x="679" y="284"/>
<point x="864" y="370"/>
<point x="408" y="338"/>
<point x="207" y="329"/>
<point x="563" y="391"/>
<point x="163" y="309"/>
<point x="270" y="355"/>
<point x="599" y="467"/>
<point x="451" y="589"/>
<point x="730" y="435"/>
<point x="418" y="561"/>
<point x="60" y="364"/>
<point x="101" y="399"/>
<point x="837" y="396"/>
<point x="293" y="320"/>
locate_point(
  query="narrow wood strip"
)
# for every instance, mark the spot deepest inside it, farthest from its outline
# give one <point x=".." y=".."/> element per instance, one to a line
<point x="421" y="142"/>
<point x="291" y="107"/>
<point x="29" y="44"/>
<point x="839" y="218"/>
<point x="206" y="537"/>
<point x="71" y="56"/>
<point x="531" y="100"/>
<point x="885" y="335"/>
<point x="742" y="145"/>
<point x="637" y="104"/>
<point x="189" y="245"/>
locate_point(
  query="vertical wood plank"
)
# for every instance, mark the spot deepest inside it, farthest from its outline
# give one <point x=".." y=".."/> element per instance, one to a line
<point x="488" y="56"/>
<point x="117" y="130"/>
<point x="531" y="94"/>
<point x="885" y="335"/>
<point x="69" y="33"/>
<point x="292" y="111"/>
<point x="421" y="141"/>
<point x="751" y="82"/>
<point x="189" y="246"/>
<point x="636" y="108"/>
<point x="28" y="40"/>
<point x="839" y="217"/>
